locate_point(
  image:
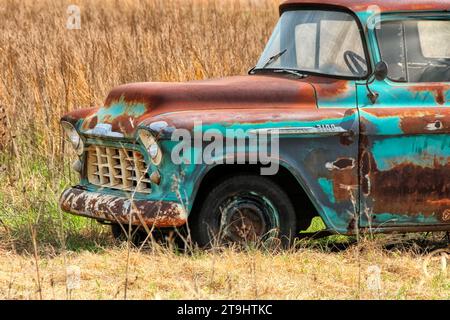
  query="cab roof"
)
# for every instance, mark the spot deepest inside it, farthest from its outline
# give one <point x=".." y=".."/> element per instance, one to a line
<point x="384" y="5"/>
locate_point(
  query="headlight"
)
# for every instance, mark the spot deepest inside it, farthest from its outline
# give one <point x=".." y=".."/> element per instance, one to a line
<point x="74" y="137"/>
<point x="151" y="146"/>
<point x="153" y="150"/>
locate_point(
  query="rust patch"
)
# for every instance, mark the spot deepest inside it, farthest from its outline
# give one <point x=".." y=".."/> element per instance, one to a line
<point x="420" y="189"/>
<point x="365" y="162"/>
<point x="415" y="120"/>
<point x="344" y="178"/>
<point x="425" y="122"/>
<point x="117" y="209"/>
<point x="328" y="88"/>
<point x="438" y="91"/>
<point x="440" y="97"/>
<point x="345" y="181"/>
<point x="92" y="122"/>
<point x="79" y="114"/>
<point x="365" y="181"/>
<point x="347" y="139"/>
<point x="124" y="123"/>
<point x="407" y="188"/>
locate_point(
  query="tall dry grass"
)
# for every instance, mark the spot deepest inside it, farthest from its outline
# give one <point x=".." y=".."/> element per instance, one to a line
<point x="47" y="70"/>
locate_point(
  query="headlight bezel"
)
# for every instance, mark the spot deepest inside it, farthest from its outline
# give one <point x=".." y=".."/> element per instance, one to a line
<point x="151" y="146"/>
<point x="74" y="137"/>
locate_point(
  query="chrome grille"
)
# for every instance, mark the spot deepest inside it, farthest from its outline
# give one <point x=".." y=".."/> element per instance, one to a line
<point x="119" y="169"/>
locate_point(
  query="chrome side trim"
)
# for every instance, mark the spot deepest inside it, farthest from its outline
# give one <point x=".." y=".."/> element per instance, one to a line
<point x="320" y="129"/>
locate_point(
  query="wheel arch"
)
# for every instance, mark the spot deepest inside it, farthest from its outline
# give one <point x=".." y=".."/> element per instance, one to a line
<point x="290" y="182"/>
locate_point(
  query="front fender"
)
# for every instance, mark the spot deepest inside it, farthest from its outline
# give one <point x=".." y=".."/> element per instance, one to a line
<point x="333" y="190"/>
<point x="319" y="148"/>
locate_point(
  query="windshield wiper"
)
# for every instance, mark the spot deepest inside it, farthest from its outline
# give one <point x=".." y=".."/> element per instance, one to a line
<point x="294" y="72"/>
<point x="274" y="58"/>
<point x="271" y="60"/>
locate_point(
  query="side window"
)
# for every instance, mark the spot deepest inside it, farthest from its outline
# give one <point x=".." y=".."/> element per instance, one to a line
<point x="416" y="51"/>
<point x="393" y="50"/>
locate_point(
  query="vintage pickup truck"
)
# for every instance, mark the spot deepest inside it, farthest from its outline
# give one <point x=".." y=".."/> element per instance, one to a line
<point x="355" y="99"/>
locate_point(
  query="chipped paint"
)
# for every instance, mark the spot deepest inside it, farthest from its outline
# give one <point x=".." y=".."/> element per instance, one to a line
<point x="341" y="164"/>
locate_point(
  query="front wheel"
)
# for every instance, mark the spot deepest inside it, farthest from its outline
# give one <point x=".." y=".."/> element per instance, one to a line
<point x="244" y="208"/>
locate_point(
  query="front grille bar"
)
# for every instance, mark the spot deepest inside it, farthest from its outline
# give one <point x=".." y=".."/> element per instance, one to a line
<point x="120" y="169"/>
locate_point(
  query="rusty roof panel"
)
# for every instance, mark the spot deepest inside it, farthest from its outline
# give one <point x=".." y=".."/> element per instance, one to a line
<point x="384" y="5"/>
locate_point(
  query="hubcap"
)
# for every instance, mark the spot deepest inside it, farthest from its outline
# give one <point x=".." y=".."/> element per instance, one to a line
<point x="247" y="217"/>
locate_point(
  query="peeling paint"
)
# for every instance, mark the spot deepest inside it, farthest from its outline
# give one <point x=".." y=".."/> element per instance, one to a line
<point x="341" y="164"/>
<point x="115" y="209"/>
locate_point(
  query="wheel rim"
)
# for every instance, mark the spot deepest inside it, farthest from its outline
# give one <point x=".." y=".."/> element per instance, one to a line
<point x="247" y="217"/>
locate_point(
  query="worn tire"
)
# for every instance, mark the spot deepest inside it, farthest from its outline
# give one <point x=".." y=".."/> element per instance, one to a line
<point x="244" y="208"/>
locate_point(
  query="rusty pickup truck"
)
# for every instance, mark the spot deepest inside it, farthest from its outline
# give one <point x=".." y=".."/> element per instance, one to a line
<point x="349" y="100"/>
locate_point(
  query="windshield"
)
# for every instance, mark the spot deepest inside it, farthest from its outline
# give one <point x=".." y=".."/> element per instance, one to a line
<point x="318" y="41"/>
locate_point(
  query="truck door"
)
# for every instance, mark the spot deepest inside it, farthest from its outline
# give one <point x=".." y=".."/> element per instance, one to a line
<point x="405" y="134"/>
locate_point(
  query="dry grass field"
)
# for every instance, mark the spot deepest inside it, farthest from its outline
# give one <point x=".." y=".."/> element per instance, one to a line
<point x="307" y="273"/>
<point x="46" y="70"/>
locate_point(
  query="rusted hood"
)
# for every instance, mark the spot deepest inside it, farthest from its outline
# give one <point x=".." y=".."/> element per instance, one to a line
<point x="127" y="106"/>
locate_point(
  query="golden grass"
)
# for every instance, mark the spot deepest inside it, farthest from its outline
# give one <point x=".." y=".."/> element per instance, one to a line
<point x="227" y="274"/>
<point x="47" y="70"/>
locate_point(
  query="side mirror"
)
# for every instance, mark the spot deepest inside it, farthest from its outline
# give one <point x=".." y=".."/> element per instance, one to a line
<point x="380" y="73"/>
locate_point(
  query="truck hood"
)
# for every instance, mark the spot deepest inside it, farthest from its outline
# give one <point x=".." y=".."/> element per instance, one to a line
<point x="129" y="106"/>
